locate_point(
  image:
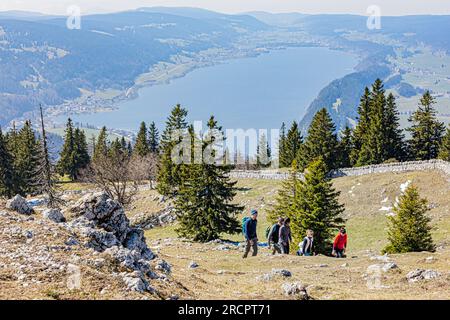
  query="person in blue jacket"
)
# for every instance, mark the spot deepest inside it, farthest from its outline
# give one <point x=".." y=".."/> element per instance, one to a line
<point x="250" y="234"/>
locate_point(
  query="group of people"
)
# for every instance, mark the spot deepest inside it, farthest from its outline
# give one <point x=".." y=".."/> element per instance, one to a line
<point x="279" y="238"/>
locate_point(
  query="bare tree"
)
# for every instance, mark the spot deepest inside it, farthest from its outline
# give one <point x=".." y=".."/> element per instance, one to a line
<point x="44" y="176"/>
<point x="145" y="168"/>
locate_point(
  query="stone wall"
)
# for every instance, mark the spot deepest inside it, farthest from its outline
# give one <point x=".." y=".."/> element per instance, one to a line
<point x="440" y="165"/>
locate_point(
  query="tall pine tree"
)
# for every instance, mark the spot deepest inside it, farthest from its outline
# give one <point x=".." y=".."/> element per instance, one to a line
<point x="444" y="152"/>
<point x="204" y="198"/>
<point x="395" y="148"/>
<point x="282" y="147"/>
<point x="101" y="146"/>
<point x="362" y="128"/>
<point x="426" y="130"/>
<point x="293" y="144"/>
<point x="7" y="186"/>
<point x="320" y="142"/>
<point x="263" y="152"/>
<point x="315" y="206"/>
<point x="345" y="148"/>
<point x="141" y="147"/>
<point x="409" y="228"/>
<point x="153" y="138"/>
<point x="170" y="174"/>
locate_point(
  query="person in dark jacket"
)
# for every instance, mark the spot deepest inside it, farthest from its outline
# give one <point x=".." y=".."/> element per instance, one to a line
<point x="307" y="245"/>
<point x="285" y="236"/>
<point x="274" y="235"/>
<point x="250" y="234"/>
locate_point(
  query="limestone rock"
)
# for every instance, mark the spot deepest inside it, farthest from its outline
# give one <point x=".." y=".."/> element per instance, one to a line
<point x="281" y="272"/>
<point x="54" y="215"/>
<point x="193" y="265"/>
<point x="295" y="289"/>
<point x="420" y="274"/>
<point x="20" y="205"/>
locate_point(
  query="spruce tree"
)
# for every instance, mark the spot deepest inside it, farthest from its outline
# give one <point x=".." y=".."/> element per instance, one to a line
<point x="409" y="229"/>
<point x="315" y="206"/>
<point x="7" y="187"/>
<point x="263" y="152"/>
<point x="170" y="174"/>
<point x="66" y="163"/>
<point x="204" y="198"/>
<point x="26" y="159"/>
<point x="373" y="149"/>
<point x="426" y="130"/>
<point x="153" y="138"/>
<point x="293" y="144"/>
<point x="141" y="147"/>
<point x="362" y="128"/>
<point x="101" y="146"/>
<point x="394" y="144"/>
<point x="286" y="195"/>
<point x="345" y="148"/>
<point x="321" y="141"/>
<point x="81" y="152"/>
<point x="282" y="147"/>
<point x="444" y="153"/>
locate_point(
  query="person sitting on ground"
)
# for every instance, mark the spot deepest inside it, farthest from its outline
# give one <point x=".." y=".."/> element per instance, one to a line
<point x="285" y="236"/>
<point x="273" y="237"/>
<point x="250" y="234"/>
<point x="306" y="247"/>
<point x="340" y="244"/>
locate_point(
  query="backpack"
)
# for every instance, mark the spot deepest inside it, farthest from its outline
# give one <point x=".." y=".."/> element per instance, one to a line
<point x="273" y="232"/>
<point x="244" y="225"/>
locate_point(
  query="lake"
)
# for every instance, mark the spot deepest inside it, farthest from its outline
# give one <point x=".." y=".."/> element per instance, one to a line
<point x="258" y="92"/>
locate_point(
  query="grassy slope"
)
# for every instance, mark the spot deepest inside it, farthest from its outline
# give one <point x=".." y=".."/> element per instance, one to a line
<point x="224" y="275"/>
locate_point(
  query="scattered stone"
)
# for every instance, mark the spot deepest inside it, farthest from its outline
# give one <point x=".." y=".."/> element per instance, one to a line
<point x="265" y="277"/>
<point x="345" y="265"/>
<point x="193" y="265"/>
<point x="163" y="266"/>
<point x="28" y="234"/>
<point x="430" y="259"/>
<point x="54" y="215"/>
<point x="389" y="266"/>
<point x="295" y="289"/>
<point x="137" y="284"/>
<point x="72" y="242"/>
<point x="20" y="205"/>
<point x="384" y="258"/>
<point x="421" y="274"/>
<point x="281" y="272"/>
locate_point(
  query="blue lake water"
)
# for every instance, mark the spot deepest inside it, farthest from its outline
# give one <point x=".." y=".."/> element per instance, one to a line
<point x="258" y="92"/>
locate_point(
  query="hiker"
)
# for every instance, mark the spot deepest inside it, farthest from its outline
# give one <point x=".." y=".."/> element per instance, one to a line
<point x="285" y="236"/>
<point x="249" y="230"/>
<point x="273" y="236"/>
<point x="340" y="244"/>
<point x="306" y="247"/>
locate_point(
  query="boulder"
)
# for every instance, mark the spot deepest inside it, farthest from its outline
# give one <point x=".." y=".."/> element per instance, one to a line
<point x="295" y="289"/>
<point x="420" y="274"/>
<point x="136" y="283"/>
<point x="389" y="266"/>
<point x="54" y="215"/>
<point x="162" y="265"/>
<point x="281" y="272"/>
<point x="20" y="205"/>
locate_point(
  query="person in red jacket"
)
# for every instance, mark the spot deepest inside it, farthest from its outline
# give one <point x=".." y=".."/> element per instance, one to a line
<point x="340" y="244"/>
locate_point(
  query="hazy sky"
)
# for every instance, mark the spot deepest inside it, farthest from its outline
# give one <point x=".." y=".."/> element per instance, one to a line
<point x="388" y="7"/>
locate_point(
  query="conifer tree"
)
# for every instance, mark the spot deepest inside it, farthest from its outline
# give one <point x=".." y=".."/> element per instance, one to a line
<point x="204" y="198"/>
<point x="426" y="130"/>
<point x="373" y="148"/>
<point x="7" y="186"/>
<point x="315" y="206"/>
<point x="170" y="173"/>
<point x="321" y="141"/>
<point x="444" y="152"/>
<point x="263" y="153"/>
<point x="286" y="195"/>
<point x="141" y="147"/>
<point x="409" y="229"/>
<point x="345" y="148"/>
<point x="282" y="147"/>
<point x="362" y="128"/>
<point x="293" y="144"/>
<point x="26" y="159"/>
<point x="101" y="146"/>
<point x="394" y="144"/>
<point x="66" y="163"/>
<point x="153" y="138"/>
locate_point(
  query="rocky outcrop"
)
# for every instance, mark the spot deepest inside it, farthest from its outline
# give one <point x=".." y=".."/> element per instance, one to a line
<point x="20" y="205"/>
<point x="54" y="215"/>
<point x="106" y="228"/>
<point x="420" y="274"/>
